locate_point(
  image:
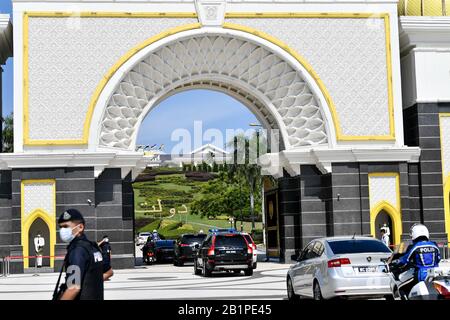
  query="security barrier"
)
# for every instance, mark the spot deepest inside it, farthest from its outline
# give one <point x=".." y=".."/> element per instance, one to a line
<point x="445" y="250"/>
<point x="5" y="263"/>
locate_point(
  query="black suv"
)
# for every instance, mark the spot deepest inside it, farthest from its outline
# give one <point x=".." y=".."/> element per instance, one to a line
<point x="185" y="248"/>
<point x="224" y="252"/>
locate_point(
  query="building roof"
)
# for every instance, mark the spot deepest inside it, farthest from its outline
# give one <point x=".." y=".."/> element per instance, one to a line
<point x="424" y="8"/>
<point x="209" y="148"/>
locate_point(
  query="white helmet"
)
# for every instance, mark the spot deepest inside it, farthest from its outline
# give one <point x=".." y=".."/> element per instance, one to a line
<point x="154" y="231"/>
<point x="419" y="230"/>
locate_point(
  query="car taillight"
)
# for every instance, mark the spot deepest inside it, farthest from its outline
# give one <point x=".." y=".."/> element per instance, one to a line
<point x="443" y="291"/>
<point x="184" y="245"/>
<point x="338" y="262"/>
<point x="211" y="251"/>
<point x="249" y="250"/>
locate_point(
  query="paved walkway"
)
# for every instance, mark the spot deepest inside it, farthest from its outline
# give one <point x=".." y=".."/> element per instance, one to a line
<point x="162" y="282"/>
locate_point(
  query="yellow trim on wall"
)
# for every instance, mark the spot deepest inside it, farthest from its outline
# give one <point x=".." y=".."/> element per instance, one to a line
<point x="48" y="218"/>
<point x="447" y="206"/>
<point x="355" y="15"/>
<point x="283" y="15"/>
<point x="389" y="208"/>
<point x="84" y="141"/>
<point x="445" y="179"/>
<point x="104" y="14"/>
<point x="130" y="53"/>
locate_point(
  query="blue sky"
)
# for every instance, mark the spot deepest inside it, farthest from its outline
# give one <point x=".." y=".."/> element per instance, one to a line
<point x="7" y="83"/>
<point x="214" y="109"/>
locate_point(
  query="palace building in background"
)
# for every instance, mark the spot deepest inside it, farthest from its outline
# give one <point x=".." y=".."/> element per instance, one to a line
<point x="358" y="90"/>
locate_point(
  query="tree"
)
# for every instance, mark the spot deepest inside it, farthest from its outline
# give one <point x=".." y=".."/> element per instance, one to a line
<point x="222" y="196"/>
<point x="244" y="168"/>
<point x="8" y="134"/>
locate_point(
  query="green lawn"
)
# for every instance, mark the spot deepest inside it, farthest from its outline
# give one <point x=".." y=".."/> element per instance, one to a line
<point x="174" y="191"/>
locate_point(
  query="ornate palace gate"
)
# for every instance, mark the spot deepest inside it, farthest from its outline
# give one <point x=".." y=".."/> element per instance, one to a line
<point x="325" y="75"/>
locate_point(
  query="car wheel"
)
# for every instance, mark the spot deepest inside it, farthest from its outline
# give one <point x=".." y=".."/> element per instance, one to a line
<point x="197" y="272"/>
<point x="248" y="272"/>
<point x="290" y="291"/>
<point x="254" y="265"/>
<point x="403" y="295"/>
<point x="389" y="297"/>
<point x="180" y="263"/>
<point x="206" y="271"/>
<point x="317" y="292"/>
<point x="175" y="262"/>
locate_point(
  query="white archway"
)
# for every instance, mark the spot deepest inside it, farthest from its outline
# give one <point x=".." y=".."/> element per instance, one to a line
<point x="266" y="78"/>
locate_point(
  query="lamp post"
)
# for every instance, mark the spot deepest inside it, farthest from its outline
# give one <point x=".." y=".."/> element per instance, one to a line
<point x="259" y="126"/>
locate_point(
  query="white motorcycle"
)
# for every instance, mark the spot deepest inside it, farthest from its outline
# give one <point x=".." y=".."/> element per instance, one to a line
<point x="436" y="285"/>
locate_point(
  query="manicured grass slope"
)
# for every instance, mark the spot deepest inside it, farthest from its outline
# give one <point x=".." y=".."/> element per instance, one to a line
<point x="174" y="190"/>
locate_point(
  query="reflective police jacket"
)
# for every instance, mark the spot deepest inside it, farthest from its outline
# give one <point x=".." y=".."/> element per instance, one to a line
<point x="85" y="257"/>
<point x="423" y="255"/>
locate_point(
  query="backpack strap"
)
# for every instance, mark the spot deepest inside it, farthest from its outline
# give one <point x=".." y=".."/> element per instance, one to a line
<point x="55" y="291"/>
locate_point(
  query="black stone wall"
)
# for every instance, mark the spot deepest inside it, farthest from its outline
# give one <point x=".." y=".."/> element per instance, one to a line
<point x="421" y="128"/>
<point x="314" y="205"/>
<point x="114" y="216"/>
<point x="73" y="187"/>
<point x="6" y="222"/>
<point x="110" y="212"/>
<point x="289" y="216"/>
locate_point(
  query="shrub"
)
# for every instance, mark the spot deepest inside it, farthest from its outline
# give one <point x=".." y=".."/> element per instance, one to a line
<point x="150" y="227"/>
<point x="169" y="224"/>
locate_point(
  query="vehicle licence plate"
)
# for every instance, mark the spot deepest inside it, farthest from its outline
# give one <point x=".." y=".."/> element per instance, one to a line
<point x="367" y="269"/>
<point x="231" y="251"/>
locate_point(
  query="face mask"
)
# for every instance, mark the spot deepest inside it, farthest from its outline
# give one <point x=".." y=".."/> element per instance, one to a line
<point x="66" y="234"/>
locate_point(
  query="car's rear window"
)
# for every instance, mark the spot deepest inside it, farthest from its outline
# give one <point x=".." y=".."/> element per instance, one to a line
<point x="230" y="241"/>
<point x="145" y="234"/>
<point x="192" y="239"/>
<point x="357" y="246"/>
<point x="248" y="238"/>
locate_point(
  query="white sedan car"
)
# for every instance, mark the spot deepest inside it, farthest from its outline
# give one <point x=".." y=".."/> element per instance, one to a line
<point x="142" y="238"/>
<point x="352" y="267"/>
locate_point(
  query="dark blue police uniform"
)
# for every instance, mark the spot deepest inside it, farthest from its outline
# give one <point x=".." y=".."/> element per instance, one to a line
<point x="85" y="257"/>
<point x="106" y="253"/>
<point x="422" y="255"/>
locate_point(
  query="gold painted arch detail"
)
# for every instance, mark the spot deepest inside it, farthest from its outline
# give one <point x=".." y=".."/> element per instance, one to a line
<point x="385" y="195"/>
<point x="444" y="131"/>
<point x="84" y="140"/>
<point x="435" y="8"/>
<point x="38" y="200"/>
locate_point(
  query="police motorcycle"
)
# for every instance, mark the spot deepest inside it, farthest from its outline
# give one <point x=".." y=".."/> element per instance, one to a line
<point x="148" y="251"/>
<point x="436" y="285"/>
<point x="419" y="273"/>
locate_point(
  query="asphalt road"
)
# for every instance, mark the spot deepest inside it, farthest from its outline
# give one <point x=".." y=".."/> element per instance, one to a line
<point x="162" y="281"/>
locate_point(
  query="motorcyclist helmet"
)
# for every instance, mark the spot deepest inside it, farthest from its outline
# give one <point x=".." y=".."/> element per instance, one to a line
<point x="419" y="230"/>
<point x="154" y="231"/>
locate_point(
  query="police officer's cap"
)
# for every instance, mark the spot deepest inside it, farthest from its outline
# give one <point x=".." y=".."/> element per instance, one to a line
<point x="71" y="215"/>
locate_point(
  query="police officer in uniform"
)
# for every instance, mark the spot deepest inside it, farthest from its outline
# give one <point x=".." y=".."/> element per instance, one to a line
<point x="385" y="236"/>
<point x="421" y="255"/>
<point x="106" y="252"/>
<point x="39" y="244"/>
<point x="83" y="263"/>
